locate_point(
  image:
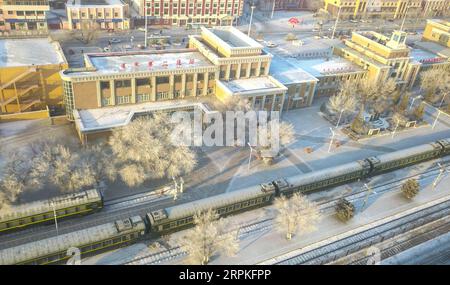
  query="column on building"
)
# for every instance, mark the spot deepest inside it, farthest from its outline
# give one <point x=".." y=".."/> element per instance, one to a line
<point x="113" y="92"/>
<point x="153" y="95"/>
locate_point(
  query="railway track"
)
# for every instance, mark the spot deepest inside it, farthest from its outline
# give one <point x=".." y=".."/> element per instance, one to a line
<point x="267" y="224"/>
<point x="141" y="204"/>
<point x="353" y="243"/>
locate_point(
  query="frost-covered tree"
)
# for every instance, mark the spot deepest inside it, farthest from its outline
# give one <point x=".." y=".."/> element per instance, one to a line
<point x="290" y="37"/>
<point x="410" y="188"/>
<point x="431" y="81"/>
<point x="98" y="159"/>
<point x="286" y="134"/>
<point x="143" y="150"/>
<point x="345" y="101"/>
<point x="419" y="111"/>
<point x="384" y="96"/>
<point x="210" y="236"/>
<point x="296" y="215"/>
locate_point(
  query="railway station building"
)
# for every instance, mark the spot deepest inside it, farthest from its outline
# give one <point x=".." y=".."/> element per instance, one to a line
<point x="30" y="82"/>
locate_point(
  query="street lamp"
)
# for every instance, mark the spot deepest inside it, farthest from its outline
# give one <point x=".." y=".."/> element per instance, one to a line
<point x="251" y="18"/>
<point x="54" y="214"/>
<point x="250" y="156"/>
<point x="339" y="120"/>
<point x="273" y="9"/>
<point x="396" y="126"/>
<point x="441" y="172"/>
<point x="442" y="101"/>
<point x="435" y="120"/>
<point x="331" y="141"/>
<point x="145" y="15"/>
<point x="335" y="24"/>
<point x="369" y="191"/>
<point x="414" y="99"/>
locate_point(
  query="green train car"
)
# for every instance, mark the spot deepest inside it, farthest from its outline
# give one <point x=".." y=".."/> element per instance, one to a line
<point x="55" y="250"/>
<point x="28" y="214"/>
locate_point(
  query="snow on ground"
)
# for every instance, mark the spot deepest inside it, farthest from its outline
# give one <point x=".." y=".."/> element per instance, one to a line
<point x="268" y="242"/>
<point x="17" y="52"/>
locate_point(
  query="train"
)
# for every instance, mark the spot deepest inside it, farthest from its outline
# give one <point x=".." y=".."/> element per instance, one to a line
<point x="64" y="206"/>
<point x="175" y="218"/>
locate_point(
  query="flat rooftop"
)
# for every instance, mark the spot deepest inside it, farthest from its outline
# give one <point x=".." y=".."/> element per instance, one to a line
<point x="111" y="63"/>
<point x="252" y="85"/>
<point x="324" y="66"/>
<point x="28" y="52"/>
<point x="232" y="37"/>
<point x="421" y="55"/>
<point x="100" y="119"/>
<point x="434" y="48"/>
<point x="287" y="73"/>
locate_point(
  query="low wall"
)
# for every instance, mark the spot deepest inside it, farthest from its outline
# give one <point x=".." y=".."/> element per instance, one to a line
<point x="26" y="116"/>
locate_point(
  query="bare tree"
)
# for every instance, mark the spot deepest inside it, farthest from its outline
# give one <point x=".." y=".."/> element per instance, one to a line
<point x="89" y="30"/>
<point x="286" y="134"/>
<point x="210" y="236"/>
<point x="290" y="37"/>
<point x="143" y="150"/>
<point x="410" y="188"/>
<point x="296" y="215"/>
<point x="384" y="97"/>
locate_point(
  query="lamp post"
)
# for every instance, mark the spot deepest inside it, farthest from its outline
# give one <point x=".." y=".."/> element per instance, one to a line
<point x="250" y="156"/>
<point x="435" y="120"/>
<point x="273" y="9"/>
<point x="396" y="126"/>
<point x="369" y="191"/>
<point x="441" y="172"/>
<point x="331" y="141"/>
<point x="145" y="15"/>
<point x="335" y="24"/>
<point x="251" y="18"/>
<point x="54" y="214"/>
<point x="442" y="101"/>
<point x="414" y="99"/>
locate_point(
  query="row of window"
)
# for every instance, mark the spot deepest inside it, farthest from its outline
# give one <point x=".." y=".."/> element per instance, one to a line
<point x="156" y="12"/>
<point x="328" y="182"/>
<point x="407" y="160"/>
<point x="199" y="4"/>
<point x="221" y="211"/>
<point x="86" y="248"/>
<point x="41" y="217"/>
<point x="92" y="16"/>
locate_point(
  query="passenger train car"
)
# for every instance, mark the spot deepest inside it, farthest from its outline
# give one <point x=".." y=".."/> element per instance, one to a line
<point x="179" y="217"/>
<point x="42" y="211"/>
<point x="54" y="250"/>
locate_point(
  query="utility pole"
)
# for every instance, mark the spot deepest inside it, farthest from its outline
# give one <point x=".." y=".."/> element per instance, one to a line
<point x="251" y="18"/>
<point x="414" y="99"/>
<point x="442" y="169"/>
<point x="145" y="15"/>
<point x="369" y="191"/>
<point x="335" y="24"/>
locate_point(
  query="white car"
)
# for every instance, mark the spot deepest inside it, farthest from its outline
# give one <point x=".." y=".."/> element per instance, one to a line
<point x="115" y="41"/>
<point x="271" y="44"/>
<point x="106" y="49"/>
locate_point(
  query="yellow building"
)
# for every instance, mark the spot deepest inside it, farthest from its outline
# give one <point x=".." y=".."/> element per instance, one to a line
<point x="382" y="57"/>
<point x="189" y="12"/>
<point x="29" y="75"/>
<point x="102" y="14"/>
<point x="435" y="8"/>
<point x="437" y="31"/>
<point x="387" y="9"/>
<point x="17" y="15"/>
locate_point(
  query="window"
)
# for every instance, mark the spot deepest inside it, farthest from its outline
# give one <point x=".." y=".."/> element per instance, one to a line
<point x="123" y="99"/>
<point x="143" y="98"/>
<point x="162" y="80"/>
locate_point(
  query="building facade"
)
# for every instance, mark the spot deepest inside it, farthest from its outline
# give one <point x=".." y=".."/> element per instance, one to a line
<point x="101" y="14"/>
<point x="384" y="58"/>
<point x="437" y="31"/>
<point x="190" y="12"/>
<point x="386" y="9"/>
<point x="284" y="4"/>
<point x="29" y="77"/>
<point x="19" y="15"/>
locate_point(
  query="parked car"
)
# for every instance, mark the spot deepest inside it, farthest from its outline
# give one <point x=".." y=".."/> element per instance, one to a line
<point x="106" y="49"/>
<point x="115" y="41"/>
<point x="271" y="44"/>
